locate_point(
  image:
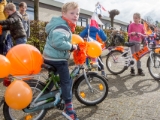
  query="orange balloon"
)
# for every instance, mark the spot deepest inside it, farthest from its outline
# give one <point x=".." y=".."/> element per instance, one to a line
<point x="76" y="39"/>
<point x="5" y="66"/>
<point x="25" y="60"/>
<point x="18" y="95"/>
<point x="94" y="49"/>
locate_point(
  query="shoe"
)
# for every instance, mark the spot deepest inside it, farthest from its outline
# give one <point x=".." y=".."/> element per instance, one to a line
<point x="103" y="73"/>
<point x="132" y="72"/>
<point x="69" y="113"/>
<point x="140" y="72"/>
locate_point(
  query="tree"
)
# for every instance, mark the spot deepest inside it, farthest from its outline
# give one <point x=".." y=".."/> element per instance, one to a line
<point x="36" y="9"/>
<point x="156" y="23"/>
<point x="148" y="19"/>
<point x="112" y="14"/>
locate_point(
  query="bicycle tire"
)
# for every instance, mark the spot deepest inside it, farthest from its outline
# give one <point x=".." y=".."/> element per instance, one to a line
<point x="6" y="109"/>
<point x="81" y="80"/>
<point x="156" y="60"/>
<point x="116" y="68"/>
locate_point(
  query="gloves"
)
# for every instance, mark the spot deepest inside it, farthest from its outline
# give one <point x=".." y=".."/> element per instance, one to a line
<point x="74" y="47"/>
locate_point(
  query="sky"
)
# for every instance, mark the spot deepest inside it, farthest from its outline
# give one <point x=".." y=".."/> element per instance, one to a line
<point x="147" y="8"/>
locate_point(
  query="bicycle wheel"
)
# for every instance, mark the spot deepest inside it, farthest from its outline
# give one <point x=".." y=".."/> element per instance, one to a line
<point x="91" y="97"/>
<point x="154" y="67"/>
<point x="11" y="114"/>
<point x="115" y="62"/>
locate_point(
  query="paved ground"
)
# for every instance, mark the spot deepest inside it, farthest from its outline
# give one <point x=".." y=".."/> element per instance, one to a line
<point x="129" y="98"/>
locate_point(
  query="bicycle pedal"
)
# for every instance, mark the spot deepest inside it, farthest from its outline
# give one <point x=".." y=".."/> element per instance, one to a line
<point x="60" y="106"/>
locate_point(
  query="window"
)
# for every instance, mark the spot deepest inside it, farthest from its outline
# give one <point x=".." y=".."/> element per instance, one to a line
<point x="30" y="12"/>
<point x="82" y="22"/>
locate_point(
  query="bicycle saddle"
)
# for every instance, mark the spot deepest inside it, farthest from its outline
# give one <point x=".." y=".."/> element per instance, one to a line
<point x="128" y="44"/>
<point x="49" y="67"/>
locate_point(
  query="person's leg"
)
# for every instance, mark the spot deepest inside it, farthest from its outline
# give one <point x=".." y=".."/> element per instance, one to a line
<point x="2" y="39"/>
<point x="21" y="41"/>
<point x="66" y="87"/>
<point x="140" y="71"/>
<point x="132" y="68"/>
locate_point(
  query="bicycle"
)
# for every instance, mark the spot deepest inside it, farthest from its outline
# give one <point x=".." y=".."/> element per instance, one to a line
<point x="89" y="89"/>
<point x="119" y="59"/>
<point x="115" y="38"/>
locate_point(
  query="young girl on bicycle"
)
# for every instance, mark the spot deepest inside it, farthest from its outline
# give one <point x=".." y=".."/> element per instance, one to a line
<point x="135" y="28"/>
<point x="93" y="31"/>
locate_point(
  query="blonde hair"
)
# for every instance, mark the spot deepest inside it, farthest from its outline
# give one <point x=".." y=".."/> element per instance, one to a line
<point x="138" y="15"/>
<point x="22" y="4"/>
<point x="69" y="5"/>
<point x="10" y="6"/>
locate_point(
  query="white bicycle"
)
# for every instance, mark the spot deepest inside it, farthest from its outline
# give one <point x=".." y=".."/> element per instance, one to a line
<point x="120" y="58"/>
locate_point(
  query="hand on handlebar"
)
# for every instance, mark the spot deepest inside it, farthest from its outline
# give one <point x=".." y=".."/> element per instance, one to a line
<point x="133" y="33"/>
<point x="137" y="33"/>
<point x="74" y="47"/>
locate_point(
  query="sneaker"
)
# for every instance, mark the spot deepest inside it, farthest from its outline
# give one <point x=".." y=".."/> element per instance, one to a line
<point x="69" y="113"/>
<point x="132" y="72"/>
<point x="103" y="73"/>
<point x="140" y="72"/>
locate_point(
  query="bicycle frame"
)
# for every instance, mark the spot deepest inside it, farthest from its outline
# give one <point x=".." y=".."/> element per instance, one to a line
<point x="50" y="100"/>
<point x="128" y="56"/>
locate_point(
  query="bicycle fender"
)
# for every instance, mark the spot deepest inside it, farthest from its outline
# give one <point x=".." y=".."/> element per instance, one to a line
<point x="113" y="51"/>
<point x="147" y="62"/>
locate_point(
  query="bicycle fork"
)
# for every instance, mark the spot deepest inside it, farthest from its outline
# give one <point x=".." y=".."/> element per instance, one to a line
<point x="87" y="81"/>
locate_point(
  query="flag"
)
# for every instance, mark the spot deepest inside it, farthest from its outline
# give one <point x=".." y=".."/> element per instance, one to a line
<point x="95" y="21"/>
<point x="147" y="29"/>
<point x="99" y="9"/>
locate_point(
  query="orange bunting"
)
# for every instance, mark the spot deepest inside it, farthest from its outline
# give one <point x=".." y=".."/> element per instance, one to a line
<point x="147" y="28"/>
<point x="79" y="56"/>
<point x="0" y="29"/>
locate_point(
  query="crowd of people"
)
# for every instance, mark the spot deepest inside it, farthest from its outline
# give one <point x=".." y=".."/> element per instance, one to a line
<point x="16" y="24"/>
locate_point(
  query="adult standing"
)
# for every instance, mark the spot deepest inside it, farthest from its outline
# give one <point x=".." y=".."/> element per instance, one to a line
<point x="25" y="17"/>
<point x="2" y="17"/>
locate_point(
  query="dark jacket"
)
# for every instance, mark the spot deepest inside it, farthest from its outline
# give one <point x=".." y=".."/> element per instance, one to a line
<point x="15" y="25"/>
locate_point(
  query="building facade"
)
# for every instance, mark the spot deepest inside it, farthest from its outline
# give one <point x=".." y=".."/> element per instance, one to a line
<point x="50" y="8"/>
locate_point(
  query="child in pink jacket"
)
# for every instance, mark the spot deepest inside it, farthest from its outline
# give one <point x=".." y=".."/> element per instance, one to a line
<point x="136" y="38"/>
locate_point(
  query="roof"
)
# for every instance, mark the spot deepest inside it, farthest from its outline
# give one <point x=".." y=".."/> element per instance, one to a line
<point x="83" y="11"/>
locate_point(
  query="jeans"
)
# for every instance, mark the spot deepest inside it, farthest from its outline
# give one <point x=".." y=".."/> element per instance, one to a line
<point x="65" y="79"/>
<point x="2" y="38"/>
<point x="22" y="40"/>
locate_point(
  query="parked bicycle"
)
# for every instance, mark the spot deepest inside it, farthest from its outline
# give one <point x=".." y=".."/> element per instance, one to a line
<point x="119" y="59"/>
<point x="89" y="89"/>
<point x="115" y="38"/>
